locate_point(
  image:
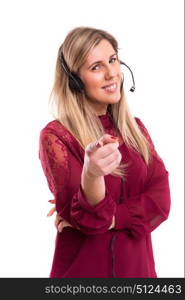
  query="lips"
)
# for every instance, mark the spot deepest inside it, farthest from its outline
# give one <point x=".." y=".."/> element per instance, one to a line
<point x="111" y="87"/>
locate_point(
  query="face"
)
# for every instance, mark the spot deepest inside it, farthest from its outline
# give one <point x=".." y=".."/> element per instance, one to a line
<point x="101" y="75"/>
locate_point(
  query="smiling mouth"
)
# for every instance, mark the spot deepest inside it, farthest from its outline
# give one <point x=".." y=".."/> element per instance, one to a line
<point x="110" y="88"/>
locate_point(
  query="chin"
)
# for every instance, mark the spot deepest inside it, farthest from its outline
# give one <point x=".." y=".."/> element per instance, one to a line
<point x="105" y="99"/>
<point x="113" y="99"/>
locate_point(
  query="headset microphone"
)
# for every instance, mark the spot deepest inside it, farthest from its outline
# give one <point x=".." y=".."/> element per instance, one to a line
<point x="132" y="89"/>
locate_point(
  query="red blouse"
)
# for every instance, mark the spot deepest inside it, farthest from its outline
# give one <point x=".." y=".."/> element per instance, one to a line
<point x="93" y="251"/>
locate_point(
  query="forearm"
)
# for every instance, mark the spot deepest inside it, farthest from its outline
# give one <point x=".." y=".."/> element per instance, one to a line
<point x="93" y="187"/>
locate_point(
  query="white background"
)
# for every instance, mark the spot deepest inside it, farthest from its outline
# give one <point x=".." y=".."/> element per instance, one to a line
<point x="150" y="35"/>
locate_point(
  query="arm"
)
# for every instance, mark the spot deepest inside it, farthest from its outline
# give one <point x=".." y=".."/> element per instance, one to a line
<point x="59" y="164"/>
<point x="142" y="213"/>
<point x="97" y="164"/>
<point x="93" y="187"/>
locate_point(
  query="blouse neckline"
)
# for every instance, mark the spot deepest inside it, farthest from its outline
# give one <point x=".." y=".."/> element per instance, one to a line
<point x="106" y="120"/>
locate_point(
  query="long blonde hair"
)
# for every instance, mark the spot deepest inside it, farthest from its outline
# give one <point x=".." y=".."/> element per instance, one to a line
<point x="72" y="109"/>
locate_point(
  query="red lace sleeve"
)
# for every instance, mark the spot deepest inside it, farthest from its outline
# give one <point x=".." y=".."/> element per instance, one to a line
<point x="142" y="213"/>
<point x="63" y="172"/>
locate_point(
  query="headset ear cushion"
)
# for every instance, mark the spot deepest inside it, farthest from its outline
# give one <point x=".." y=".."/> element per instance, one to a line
<point x="75" y="83"/>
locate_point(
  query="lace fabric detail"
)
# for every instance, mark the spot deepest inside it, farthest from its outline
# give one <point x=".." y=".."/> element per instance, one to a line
<point x="61" y="131"/>
<point x="54" y="156"/>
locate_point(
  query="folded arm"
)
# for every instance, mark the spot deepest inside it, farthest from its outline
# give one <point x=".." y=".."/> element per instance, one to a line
<point x="144" y="212"/>
<point x="71" y="202"/>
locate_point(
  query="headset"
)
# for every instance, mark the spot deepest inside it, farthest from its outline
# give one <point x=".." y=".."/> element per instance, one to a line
<point x="77" y="85"/>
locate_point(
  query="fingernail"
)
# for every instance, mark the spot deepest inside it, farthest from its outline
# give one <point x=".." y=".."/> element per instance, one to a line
<point x="51" y="201"/>
<point x="98" y="145"/>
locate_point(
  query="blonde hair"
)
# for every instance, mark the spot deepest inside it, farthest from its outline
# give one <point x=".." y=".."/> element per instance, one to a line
<point x="72" y="109"/>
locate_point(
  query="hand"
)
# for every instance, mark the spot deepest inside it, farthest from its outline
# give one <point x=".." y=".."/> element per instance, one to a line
<point x="113" y="223"/>
<point x="59" y="222"/>
<point x="102" y="157"/>
<point x="51" y="212"/>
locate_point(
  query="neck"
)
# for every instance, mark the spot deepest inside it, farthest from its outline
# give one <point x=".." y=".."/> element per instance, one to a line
<point x="98" y="108"/>
<point x="100" y="112"/>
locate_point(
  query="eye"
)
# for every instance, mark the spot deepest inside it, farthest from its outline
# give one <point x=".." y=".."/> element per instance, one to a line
<point x="95" y="67"/>
<point x="113" y="59"/>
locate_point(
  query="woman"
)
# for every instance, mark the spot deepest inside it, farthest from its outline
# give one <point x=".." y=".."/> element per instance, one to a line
<point x="110" y="186"/>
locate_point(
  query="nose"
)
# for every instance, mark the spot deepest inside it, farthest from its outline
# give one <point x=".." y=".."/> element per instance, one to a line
<point x="110" y="71"/>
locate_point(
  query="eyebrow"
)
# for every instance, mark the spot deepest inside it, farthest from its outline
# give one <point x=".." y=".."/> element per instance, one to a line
<point x="99" y="61"/>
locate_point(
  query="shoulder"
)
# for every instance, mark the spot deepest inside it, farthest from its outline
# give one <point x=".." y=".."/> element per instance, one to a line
<point x="139" y="122"/>
<point x="141" y="126"/>
<point x="56" y="134"/>
<point x="145" y="133"/>
<point x="55" y="128"/>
